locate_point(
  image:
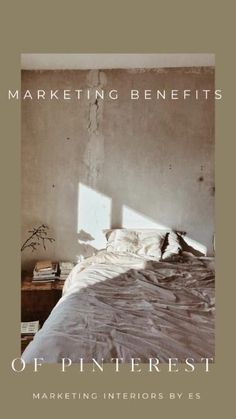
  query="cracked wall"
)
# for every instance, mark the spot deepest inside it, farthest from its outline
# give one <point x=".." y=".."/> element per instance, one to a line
<point x="156" y="158"/>
<point x="94" y="150"/>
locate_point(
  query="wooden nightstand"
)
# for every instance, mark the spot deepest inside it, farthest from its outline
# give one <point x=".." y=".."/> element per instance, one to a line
<point x="38" y="300"/>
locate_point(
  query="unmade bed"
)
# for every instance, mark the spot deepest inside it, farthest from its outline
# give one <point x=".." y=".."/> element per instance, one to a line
<point x="122" y="305"/>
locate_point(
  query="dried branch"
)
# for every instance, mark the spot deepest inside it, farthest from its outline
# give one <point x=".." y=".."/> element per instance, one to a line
<point x="38" y="236"/>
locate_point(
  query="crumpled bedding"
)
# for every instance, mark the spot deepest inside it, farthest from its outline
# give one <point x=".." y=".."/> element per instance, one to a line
<point x="117" y="305"/>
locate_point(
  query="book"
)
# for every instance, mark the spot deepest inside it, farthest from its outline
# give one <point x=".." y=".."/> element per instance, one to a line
<point x="44" y="265"/>
<point x="66" y="265"/>
<point x="29" y="328"/>
<point x="45" y="273"/>
<point x="65" y="268"/>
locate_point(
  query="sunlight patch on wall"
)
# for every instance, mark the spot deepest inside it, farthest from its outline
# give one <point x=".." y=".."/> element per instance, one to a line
<point x="199" y="247"/>
<point x="134" y="219"/>
<point x="94" y="215"/>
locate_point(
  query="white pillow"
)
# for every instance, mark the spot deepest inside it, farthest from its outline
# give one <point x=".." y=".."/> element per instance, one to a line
<point x="121" y="240"/>
<point x="143" y="242"/>
<point x="151" y="243"/>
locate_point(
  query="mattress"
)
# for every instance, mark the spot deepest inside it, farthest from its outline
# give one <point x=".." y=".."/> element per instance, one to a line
<point x="118" y="305"/>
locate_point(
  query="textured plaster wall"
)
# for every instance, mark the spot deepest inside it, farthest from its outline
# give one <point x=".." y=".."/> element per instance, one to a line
<point x="156" y="158"/>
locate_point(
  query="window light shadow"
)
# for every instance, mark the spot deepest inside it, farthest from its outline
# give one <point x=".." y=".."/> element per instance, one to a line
<point x="94" y="215"/>
<point x="134" y="219"/>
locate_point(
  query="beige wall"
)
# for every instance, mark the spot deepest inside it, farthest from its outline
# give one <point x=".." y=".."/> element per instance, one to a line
<point x="143" y="162"/>
<point x="106" y="61"/>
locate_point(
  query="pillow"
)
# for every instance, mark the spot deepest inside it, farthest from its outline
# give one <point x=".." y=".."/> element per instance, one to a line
<point x="151" y="243"/>
<point x="121" y="240"/>
<point x="142" y="242"/>
<point x="173" y="246"/>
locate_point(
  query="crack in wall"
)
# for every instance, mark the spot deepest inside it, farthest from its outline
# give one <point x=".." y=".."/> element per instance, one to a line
<point x="96" y="82"/>
<point x="94" y="153"/>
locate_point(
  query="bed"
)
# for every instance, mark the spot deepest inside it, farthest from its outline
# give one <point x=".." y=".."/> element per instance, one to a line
<point x="118" y="304"/>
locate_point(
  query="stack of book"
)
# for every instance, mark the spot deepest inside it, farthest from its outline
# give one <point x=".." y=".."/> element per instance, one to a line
<point x="45" y="271"/>
<point x="65" y="268"/>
